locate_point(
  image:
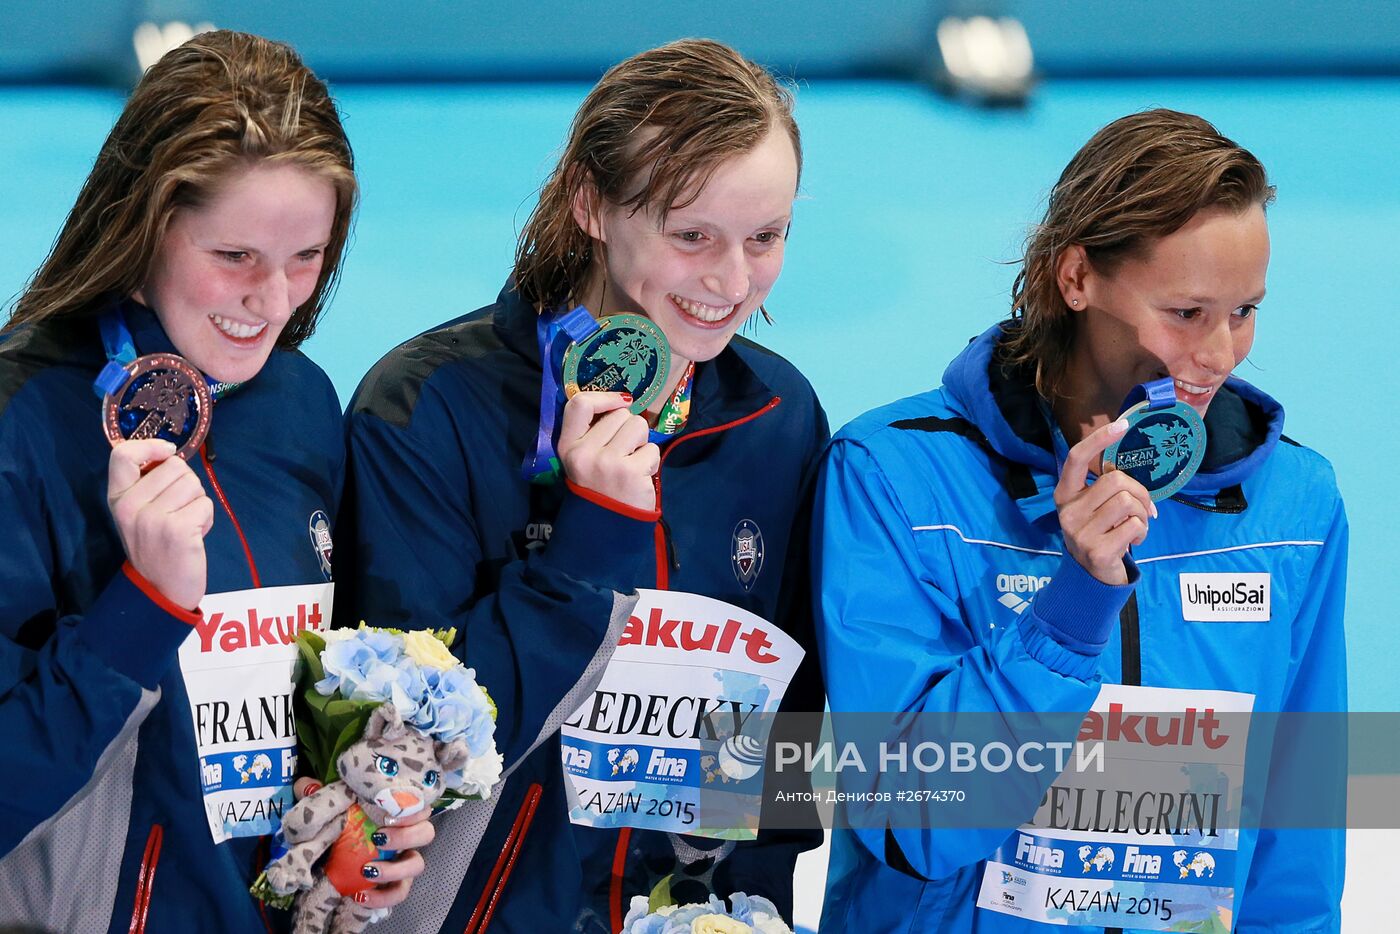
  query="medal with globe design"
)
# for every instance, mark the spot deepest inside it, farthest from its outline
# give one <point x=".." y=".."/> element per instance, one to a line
<point x="1165" y="441"/>
<point x="163" y="397"/>
<point x="628" y="353"/>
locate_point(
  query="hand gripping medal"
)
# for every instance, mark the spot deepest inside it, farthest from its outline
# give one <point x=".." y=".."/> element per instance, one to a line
<point x="617" y="353"/>
<point x="627" y="353"/>
<point x="1165" y="441"/>
<point x="156" y="396"/>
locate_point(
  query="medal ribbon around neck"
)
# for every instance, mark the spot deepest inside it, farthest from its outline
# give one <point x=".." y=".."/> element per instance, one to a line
<point x="1165" y="442"/>
<point x="676" y="412"/>
<point x="153" y="396"/>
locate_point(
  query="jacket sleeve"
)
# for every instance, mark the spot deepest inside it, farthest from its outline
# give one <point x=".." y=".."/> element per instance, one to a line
<point x="895" y="641"/>
<point x="1295" y="878"/>
<point x="418" y="563"/>
<point x="71" y="686"/>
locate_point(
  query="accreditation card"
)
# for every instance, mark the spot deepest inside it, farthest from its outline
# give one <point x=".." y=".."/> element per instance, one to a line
<point x="674" y="738"/>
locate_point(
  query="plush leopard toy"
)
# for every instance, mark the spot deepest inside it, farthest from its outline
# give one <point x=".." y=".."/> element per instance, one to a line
<point x="394" y="772"/>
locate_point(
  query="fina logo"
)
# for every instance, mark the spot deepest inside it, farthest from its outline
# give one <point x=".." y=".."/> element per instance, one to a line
<point x="623" y="761"/>
<point x="1201" y="864"/>
<point x="746" y="553"/>
<point x="319" y="528"/>
<point x="260" y="769"/>
<point x="1098" y="861"/>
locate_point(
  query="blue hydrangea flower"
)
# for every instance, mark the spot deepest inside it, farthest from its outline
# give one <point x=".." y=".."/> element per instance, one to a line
<point x="455" y="707"/>
<point x="346" y="660"/>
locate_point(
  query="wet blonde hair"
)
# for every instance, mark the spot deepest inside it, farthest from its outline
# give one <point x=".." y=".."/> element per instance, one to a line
<point x="1137" y="180"/>
<point x="650" y="134"/>
<point x="221" y="102"/>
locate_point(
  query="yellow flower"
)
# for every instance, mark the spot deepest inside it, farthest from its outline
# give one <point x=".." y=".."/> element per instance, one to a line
<point x="718" y="924"/>
<point x="428" y="651"/>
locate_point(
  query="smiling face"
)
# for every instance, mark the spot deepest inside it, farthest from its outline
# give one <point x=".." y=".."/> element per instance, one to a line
<point x="707" y="268"/>
<point x="1185" y="308"/>
<point x="229" y="273"/>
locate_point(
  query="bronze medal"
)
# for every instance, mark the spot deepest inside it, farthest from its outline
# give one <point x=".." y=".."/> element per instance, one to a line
<point x="163" y="397"/>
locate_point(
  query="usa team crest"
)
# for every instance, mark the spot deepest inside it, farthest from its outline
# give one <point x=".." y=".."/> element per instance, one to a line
<point x="319" y="528"/>
<point x="746" y="553"/>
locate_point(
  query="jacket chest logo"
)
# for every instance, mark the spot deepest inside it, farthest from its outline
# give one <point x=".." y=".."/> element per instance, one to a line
<point x="319" y="528"/>
<point x="746" y="553"/>
<point x="1014" y="591"/>
<point x="1225" y="598"/>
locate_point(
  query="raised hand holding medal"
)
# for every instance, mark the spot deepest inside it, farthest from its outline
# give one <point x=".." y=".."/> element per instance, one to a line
<point x="154" y="407"/>
<point x="609" y="370"/>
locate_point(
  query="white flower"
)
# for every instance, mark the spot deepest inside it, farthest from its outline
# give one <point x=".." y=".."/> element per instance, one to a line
<point x="481" y="774"/>
<point x="330" y="636"/>
<point x="427" y="650"/>
<point x="718" y="924"/>
<point x="767" y="924"/>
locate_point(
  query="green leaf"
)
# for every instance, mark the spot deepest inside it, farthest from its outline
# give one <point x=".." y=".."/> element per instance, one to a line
<point x="310" y="646"/>
<point x="351" y="734"/>
<point x="311" y="743"/>
<point x="262" y="890"/>
<point x="660" y="896"/>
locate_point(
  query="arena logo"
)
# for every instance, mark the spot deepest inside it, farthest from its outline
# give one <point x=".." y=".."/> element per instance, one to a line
<point x="1016" y="590"/>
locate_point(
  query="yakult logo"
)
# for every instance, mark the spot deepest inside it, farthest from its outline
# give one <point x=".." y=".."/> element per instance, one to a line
<point x="1225" y="598"/>
<point x="234" y="633"/>
<point x="688" y="635"/>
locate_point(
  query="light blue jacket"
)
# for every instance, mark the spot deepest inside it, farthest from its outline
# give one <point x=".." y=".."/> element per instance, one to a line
<point x="936" y="519"/>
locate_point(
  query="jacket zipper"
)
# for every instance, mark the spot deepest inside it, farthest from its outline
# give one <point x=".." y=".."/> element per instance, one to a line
<point x="505" y="863"/>
<point x="1132" y="641"/>
<point x="206" y="457"/>
<point x="666" y="561"/>
<point x="1132" y="661"/>
<point x="1233" y="508"/>
<point x="666" y="558"/>
<point x="146" y="880"/>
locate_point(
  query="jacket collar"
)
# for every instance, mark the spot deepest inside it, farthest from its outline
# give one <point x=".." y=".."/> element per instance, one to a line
<point x="1243" y="424"/>
<point x="725" y="388"/>
<point x="146" y="331"/>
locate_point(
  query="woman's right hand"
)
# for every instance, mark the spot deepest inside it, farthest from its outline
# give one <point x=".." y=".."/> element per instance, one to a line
<point x="162" y="517"/>
<point x="1101" y="521"/>
<point x="604" y="448"/>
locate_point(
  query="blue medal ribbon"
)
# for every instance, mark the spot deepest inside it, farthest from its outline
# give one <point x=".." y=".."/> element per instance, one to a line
<point x="121" y="350"/>
<point x="541" y="465"/>
<point x="1159" y="394"/>
<point x="1165" y="442"/>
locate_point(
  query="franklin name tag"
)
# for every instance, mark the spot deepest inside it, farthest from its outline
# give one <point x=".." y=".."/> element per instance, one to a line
<point x="1225" y="598"/>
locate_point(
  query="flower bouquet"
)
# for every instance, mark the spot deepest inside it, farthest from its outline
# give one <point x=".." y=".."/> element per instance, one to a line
<point x="747" y="914"/>
<point x="392" y="723"/>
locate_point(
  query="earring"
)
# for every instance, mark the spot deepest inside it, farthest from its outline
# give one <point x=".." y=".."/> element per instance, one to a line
<point x="1075" y="303"/>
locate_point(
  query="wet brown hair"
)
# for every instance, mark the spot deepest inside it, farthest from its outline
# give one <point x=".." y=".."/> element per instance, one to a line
<point x="1137" y="180"/>
<point x="650" y="134"/>
<point x="220" y="102"/>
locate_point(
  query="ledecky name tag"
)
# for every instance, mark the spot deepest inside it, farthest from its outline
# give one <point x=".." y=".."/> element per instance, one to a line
<point x="1225" y="597"/>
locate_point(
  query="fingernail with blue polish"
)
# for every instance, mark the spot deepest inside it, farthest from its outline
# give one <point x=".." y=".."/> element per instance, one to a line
<point x="370" y="871"/>
<point x="379" y="838"/>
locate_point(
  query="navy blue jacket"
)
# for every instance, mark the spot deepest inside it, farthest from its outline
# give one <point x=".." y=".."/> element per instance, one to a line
<point x="107" y="831"/>
<point x="448" y="533"/>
